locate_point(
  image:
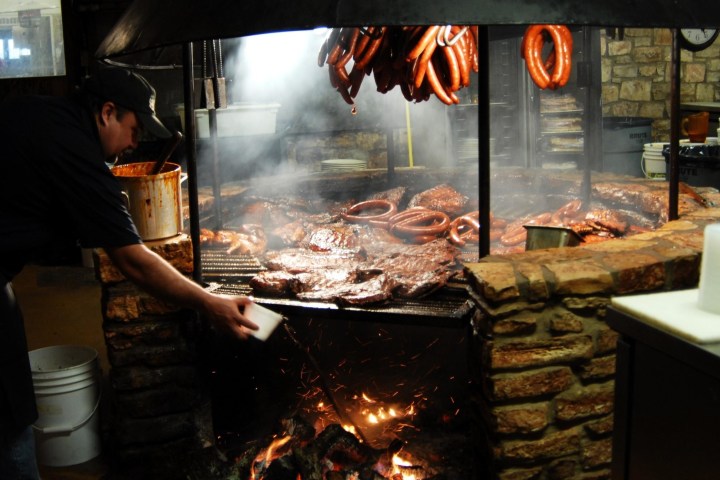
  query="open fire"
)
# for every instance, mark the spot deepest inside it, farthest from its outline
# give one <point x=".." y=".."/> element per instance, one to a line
<point x="342" y="452"/>
<point x="387" y="410"/>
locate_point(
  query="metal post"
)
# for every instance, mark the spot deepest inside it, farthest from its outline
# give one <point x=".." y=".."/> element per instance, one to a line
<point x="484" y="138"/>
<point x="674" y="171"/>
<point x="191" y="153"/>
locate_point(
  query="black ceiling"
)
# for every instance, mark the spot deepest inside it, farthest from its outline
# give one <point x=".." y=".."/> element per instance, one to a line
<point x="148" y="24"/>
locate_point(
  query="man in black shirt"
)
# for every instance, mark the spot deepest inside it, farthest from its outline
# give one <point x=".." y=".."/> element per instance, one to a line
<point x="55" y="186"/>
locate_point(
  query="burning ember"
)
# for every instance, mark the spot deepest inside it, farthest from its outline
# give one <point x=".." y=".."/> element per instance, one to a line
<point x="335" y="454"/>
<point x="386" y="409"/>
<point x="340" y="452"/>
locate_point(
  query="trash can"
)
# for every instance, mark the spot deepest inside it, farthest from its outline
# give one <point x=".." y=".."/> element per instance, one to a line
<point x="698" y="165"/>
<point x="623" y="142"/>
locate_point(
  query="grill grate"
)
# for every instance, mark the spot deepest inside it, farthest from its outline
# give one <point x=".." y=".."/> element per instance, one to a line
<point x="231" y="274"/>
<point x="216" y="263"/>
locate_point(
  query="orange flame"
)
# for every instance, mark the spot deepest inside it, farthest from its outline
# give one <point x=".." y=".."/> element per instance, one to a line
<point x="264" y="458"/>
<point x="396" y="470"/>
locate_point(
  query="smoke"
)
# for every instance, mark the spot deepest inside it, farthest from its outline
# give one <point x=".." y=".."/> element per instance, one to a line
<point x="275" y="66"/>
<point x="282" y="69"/>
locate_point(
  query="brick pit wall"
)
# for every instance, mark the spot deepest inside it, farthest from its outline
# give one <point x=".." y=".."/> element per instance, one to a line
<point x="545" y="356"/>
<point x="159" y="408"/>
<point x="542" y="355"/>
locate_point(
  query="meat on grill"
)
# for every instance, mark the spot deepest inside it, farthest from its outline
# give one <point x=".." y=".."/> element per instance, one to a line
<point x="443" y="198"/>
<point x="297" y="260"/>
<point x="288" y="235"/>
<point x="248" y="240"/>
<point x="356" y="290"/>
<point x="394" y="195"/>
<point x="326" y="238"/>
<point x="345" y="277"/>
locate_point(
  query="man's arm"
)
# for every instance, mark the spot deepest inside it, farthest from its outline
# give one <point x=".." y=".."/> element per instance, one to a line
<point x="156" y="276"/>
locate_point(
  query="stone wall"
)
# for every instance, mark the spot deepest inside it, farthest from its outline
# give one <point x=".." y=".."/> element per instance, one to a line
<point x="160" y="410"/>
<point x="636" y="73"/>
<point x="545" y="356"/>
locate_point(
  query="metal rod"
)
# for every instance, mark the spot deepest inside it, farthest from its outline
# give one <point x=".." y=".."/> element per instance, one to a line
<point x="217" y="191"/>
<point x="484" y="138"/>
<point x="674" y="173"/>
<point x="191" y="154"/>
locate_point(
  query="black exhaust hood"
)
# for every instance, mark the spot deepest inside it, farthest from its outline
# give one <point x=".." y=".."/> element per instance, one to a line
<point x="148" y="24"/>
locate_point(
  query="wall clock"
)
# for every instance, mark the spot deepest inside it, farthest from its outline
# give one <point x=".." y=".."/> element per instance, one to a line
<point x="696" y="39"/>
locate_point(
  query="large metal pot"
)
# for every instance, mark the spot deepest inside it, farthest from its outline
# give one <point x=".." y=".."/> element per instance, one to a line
<point x="154" y="201"/>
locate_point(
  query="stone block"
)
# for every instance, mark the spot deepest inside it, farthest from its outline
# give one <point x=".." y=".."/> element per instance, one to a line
<point x="139" y="377"/>
<point x="176" y="250"/>
<point x="552" y="445"/>
<point x="532" y="473"/>
<point x="565" y="322"/>
<point x="580" y="278"/>
<point x="521" y="324"/>
<point x="154" y="356"/>
<point x="138" y="431"/>
<point x="535" y="383"/>
<point x="636" y="90"/>
<point x="596" y="453"/>
<point x="606" y="340"/>
<point x="156" y="402"/>
<point x="540" y="352"/>
<point x="601" y="427"/>
<point x="597" y="368"/>
<point x="495" y="280"/>
<point x="584" y="402"/>
<point x="521" y="419"/>
<point x="635" y="272"/>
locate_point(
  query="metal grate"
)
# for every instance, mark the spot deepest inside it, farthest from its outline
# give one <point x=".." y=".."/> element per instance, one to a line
<point x="231" y="274"/>
<point x="216" y="263"/>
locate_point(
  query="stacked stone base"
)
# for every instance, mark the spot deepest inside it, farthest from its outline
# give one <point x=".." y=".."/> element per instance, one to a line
<point x="160" y="410"/>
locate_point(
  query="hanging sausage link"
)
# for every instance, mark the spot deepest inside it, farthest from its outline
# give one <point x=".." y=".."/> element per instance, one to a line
<point x="554" y="71"/>
<point x="423" y="61"/>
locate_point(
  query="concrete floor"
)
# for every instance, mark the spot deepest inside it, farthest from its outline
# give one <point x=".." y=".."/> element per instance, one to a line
<point x="61" y="306"/>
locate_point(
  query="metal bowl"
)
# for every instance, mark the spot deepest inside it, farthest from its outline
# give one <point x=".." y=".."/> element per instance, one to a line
<point x="542" y="236"/>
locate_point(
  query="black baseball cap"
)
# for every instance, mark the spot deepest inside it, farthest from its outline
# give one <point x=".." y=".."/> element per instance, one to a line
<point x="131" y="91"/>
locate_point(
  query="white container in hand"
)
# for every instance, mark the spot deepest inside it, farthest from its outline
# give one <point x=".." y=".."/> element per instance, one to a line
<point x="265" y="318"/>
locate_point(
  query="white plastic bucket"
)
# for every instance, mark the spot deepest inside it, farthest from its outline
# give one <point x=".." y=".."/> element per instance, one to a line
<point x="653" y="161"/>
<point x="65" y="379"/>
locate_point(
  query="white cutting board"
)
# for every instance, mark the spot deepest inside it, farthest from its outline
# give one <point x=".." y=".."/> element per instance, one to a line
<point x="676" y="312"/>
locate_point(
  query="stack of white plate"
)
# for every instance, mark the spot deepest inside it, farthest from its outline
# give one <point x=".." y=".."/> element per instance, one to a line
<point x="467" y="149"/>
<point x="342" y="165"/>
<point x="653" y="161"/>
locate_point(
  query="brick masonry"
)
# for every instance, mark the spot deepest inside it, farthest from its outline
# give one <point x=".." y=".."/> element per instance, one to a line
<point x="543" y="354"/>
<point x="160" y="409"/>
<point x="636" y="76"/>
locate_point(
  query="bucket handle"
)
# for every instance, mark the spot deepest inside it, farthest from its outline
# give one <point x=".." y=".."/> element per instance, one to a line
<point x="642" y="165"/>
<point x="67" y="428"/>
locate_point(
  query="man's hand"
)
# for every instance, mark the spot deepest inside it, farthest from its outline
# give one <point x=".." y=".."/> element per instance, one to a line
<point x="225" y="314"/>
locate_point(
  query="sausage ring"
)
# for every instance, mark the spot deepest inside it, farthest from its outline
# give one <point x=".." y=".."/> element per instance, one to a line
<point x="513" y="237"/>
<point x="464" y="229"/>
<point x="559" y="60"/>
<point x="427" y="223"/>
<point x="532" y="45"/>
<point x="405" y="214"/>
<point x="353" y="213"/>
